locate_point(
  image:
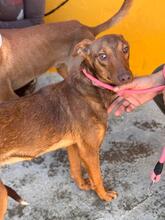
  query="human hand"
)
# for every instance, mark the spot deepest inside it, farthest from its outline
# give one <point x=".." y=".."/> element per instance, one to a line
<point x="128" y="102"/>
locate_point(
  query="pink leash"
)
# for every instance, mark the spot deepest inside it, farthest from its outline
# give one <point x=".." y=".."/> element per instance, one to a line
<point x="156" y="174"/>
<point x="98" y="83"/>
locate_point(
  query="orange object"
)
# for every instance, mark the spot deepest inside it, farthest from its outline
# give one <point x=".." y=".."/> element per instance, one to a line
<point x="143" y="27"/>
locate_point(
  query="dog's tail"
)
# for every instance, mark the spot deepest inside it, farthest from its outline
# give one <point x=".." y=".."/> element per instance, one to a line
<point x="114" y="19"/>
<point x="14" y="195"/>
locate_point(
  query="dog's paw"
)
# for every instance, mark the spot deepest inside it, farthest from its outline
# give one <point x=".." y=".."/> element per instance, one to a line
<point x="109" y="196"/>
<point x="85" y="184"/>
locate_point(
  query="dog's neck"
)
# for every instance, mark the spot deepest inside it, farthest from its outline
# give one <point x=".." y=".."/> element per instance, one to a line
<point x="87" y="88"/>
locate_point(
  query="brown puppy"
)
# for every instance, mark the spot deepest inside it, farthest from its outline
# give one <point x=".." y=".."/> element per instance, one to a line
<point x="33" y="50"/>
<point x="6" y="191"/>
<point x="71" y="112"/>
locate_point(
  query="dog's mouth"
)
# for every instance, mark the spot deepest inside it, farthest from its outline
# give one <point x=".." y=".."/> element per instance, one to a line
<point x="107" y="80"/>
<point x="110" y="82"/>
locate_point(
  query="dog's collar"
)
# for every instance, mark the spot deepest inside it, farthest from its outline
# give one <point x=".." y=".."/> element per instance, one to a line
<point x="95" y="81"/>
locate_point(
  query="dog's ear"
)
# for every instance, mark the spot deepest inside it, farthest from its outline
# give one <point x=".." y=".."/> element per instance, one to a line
<point x="82" y="48"/>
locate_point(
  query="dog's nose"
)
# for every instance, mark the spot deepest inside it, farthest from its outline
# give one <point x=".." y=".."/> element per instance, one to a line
<point x="124" y="77"/>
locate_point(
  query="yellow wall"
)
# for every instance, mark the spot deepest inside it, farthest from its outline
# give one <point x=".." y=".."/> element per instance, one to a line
<point x="143" y="27"/>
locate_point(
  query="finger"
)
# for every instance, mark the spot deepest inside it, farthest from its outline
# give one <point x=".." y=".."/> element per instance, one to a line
<point x="120" y="111"/>
<point x="133" y="99"/>
<point x="115" y="104"/>
<point x="130" y="108"/>
<point x="121" y="107"/>
<point x="125" y="86"/>
<point x="126" y="103"/>
<point x="125" y="107"/>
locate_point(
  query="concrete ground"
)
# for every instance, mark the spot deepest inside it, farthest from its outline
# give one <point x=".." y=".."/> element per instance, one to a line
<point x="130" y="150"/>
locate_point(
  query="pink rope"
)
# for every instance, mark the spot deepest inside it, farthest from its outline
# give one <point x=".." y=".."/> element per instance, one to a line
<point x="162" y="158"/>
<point x="128" y="91"/>
<point x="156" y="174"/>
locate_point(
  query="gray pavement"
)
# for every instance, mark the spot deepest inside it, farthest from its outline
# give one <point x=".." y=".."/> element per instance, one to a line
<point x="130" y="150"/>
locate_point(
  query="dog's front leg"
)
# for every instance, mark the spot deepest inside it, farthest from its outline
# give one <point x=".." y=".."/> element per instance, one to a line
<point x="89" y="153"/>
<point x="6" y="91"/>
<point x="76" y="169"/>
<point x="3" y="200"/>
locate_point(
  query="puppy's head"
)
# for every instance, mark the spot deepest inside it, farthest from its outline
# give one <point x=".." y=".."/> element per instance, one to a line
<point x="108" y="56"/>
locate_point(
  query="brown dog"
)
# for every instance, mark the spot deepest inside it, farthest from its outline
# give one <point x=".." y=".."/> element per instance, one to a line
<point x="26" y="53"/>
<point x="6" y="191"/>
<point x="73" y="112"/>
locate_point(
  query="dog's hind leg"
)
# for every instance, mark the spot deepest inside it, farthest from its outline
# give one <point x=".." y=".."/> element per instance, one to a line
<point x="6" y="91"/>
<point x="76" y="169"/>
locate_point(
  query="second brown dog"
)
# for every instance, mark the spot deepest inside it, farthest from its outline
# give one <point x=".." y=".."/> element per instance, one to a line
<point x="29" y="52"/>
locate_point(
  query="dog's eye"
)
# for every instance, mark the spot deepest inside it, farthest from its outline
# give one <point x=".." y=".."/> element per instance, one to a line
<point x="102" y="56"/>
<point x="125" y="49"/>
